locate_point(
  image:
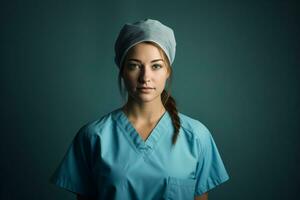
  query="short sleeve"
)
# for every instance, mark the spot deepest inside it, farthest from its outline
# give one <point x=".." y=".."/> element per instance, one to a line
<point x="210" y="171"/>
<point x="74" y="173"/>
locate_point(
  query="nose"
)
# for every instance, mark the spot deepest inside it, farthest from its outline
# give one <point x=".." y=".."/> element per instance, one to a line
<point x="144" y="76"/>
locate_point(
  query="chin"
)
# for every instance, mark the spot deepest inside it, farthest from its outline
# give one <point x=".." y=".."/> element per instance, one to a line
<point x="145" y="97"/>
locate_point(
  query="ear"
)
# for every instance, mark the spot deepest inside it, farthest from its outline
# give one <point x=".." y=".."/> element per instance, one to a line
<point x="168" y="72"/>
<point x="122" y="73"/>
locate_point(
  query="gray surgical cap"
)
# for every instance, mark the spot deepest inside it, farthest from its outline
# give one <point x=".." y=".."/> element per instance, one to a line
<point x="144" y="30"/>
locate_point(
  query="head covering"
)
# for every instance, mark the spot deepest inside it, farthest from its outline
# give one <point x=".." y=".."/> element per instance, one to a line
<point x="144" y="30"/>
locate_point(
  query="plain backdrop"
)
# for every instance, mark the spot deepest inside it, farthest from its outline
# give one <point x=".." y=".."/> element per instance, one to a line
<point x="236" y="70"/>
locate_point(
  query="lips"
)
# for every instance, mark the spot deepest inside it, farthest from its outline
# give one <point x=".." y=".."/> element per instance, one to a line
<point x="145" y="88"/>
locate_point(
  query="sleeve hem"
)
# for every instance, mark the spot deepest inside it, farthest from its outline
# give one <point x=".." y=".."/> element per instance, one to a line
<point x="212" y="184"/>
<point x="65" y="184"/>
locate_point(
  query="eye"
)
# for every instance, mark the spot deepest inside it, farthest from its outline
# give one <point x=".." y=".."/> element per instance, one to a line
<point x="157" y="66"/>
<point x="133" y="66"/>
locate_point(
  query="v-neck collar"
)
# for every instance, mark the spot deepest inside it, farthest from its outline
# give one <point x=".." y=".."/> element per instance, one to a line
<point x="134" y="137"/>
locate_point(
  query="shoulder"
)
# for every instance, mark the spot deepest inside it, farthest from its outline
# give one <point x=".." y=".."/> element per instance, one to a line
<point x="194" y="128"/>
<point x="197" y="132"/>
<point x="95" y="127"/>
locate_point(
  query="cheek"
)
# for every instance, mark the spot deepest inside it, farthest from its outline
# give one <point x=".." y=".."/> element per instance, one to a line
<point x="130" y="81"/>
<point x="161" y="81"/>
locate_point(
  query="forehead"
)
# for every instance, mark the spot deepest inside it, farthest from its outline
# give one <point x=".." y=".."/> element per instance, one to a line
<point x="144" y="51"/>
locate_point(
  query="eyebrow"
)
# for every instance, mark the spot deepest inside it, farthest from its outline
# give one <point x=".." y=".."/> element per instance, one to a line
<point x="132" y="59"/>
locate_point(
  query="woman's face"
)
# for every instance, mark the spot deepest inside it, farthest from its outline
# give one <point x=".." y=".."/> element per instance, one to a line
<point x="144" y="67"/>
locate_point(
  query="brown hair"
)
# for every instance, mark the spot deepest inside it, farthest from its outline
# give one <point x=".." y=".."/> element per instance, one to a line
<point x="167" y="100"/>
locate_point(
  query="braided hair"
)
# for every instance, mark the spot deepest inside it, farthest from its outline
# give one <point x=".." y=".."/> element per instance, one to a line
<point x="167" y="100"/>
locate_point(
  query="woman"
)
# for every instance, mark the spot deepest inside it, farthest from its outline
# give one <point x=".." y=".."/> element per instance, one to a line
<point x="145" y="149"/>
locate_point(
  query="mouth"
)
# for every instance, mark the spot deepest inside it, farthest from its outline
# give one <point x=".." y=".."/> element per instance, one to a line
<point x="145" y="89"/>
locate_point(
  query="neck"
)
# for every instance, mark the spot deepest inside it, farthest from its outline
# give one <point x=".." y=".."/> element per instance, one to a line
<point x="144" y="111"/>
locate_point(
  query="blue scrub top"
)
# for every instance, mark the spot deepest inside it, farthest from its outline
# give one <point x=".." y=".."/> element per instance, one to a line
<point x="108" y="159"/>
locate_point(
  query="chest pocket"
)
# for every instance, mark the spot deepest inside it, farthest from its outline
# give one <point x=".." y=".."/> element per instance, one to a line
<point x="180" y="189"/>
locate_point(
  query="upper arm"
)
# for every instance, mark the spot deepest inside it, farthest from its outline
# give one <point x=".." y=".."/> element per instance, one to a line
<point x="210" y="171"/>
<point x="202" y="197"/>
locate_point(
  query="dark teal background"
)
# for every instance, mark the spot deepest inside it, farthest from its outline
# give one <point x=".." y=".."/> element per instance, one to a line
<point x="236" y="70"/>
